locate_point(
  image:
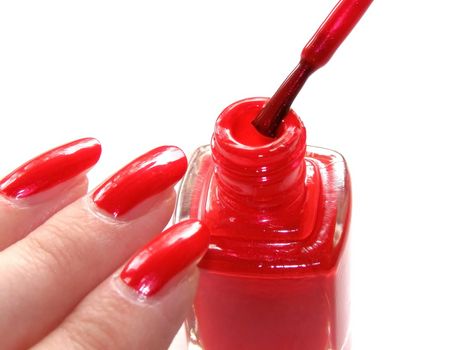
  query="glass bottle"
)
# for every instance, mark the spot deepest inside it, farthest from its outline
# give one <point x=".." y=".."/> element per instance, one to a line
<point x="276" y="272"/>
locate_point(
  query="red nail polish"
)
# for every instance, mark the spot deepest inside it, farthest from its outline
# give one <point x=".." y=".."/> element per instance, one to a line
<point x="51" y="168"/>
<point x="275" y="275"/>
<point x="144" y="177"/>
<point x="167" y="255"/>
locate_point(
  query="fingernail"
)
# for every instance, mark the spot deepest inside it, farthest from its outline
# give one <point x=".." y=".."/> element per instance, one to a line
<point x="144" y="177"/>
<point x="167" y="255"/>
<point x="51" y="168"/>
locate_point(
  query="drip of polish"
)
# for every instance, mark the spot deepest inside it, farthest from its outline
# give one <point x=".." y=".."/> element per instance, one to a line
<point x="317" y="52"/>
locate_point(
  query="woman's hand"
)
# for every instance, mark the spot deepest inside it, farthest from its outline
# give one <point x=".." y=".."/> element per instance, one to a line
<point x="61" y="252"/>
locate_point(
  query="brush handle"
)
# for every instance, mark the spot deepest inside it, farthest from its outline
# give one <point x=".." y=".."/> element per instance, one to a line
<point x="333" y="31"/>
<point x="315" y="54"/>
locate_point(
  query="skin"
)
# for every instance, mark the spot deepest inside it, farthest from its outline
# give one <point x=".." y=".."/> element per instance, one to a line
<point x="60" y="256"/>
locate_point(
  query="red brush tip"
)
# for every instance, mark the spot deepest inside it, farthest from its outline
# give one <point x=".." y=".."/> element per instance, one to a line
<point x="315" y="54"/>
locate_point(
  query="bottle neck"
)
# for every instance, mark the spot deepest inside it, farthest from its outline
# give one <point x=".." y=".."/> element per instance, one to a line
<point x="254" y="173"/>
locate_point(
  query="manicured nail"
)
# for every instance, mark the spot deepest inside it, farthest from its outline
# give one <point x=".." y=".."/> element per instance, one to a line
<point x="51" y="168"/>
<point x="167" y="255"/>
<point x="144" y="177"/>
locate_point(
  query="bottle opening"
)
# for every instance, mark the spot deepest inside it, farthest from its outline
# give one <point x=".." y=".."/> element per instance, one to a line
<point x="234" y="126"/>
<point x="242" y="128"/>
<point x="255" y="174"/>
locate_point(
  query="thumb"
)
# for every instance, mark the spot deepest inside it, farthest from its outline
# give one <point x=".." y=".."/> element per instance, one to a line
<point x="144" y="305"/>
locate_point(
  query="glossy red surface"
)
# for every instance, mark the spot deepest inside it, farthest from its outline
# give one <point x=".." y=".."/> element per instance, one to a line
<point x="260" y="186"/>
<point x="275" y="274"/>
<point x="167" y="255"/>
<point x="333" y="31"/>
<point x="317" y="52"/>
<point x="51" y="168"/>
<point x="144" y="177"/>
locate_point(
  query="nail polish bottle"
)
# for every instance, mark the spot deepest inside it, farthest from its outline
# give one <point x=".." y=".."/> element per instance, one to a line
<point x="276" y="272"/>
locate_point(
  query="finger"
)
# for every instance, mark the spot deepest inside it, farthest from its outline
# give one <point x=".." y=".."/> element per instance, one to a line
<point x="144" y="306"/>
<point x="42" y="186"/>
<point x="51" y="270"/>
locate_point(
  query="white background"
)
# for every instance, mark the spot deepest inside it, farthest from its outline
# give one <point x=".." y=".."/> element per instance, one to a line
<point x="140" y="74"/>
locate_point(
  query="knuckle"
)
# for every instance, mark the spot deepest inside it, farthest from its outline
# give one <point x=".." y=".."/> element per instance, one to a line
<point x="56" y="247"/>
<point x="93" y="331"/>
<point x="46" y="253"/>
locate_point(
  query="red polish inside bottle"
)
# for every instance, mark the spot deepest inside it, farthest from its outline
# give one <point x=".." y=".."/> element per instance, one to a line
<point x="276" y="273"/>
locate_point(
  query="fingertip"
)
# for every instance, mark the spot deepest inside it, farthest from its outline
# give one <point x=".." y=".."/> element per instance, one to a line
<point x="166" y="256"/>
<point x="94" y="146"/>
<point x="144" y="177"/>
<point x="51" y="168"/>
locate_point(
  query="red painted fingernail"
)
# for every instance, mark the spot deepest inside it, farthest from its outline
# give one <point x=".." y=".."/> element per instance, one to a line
<point x="51" y="168"/>
<point x="167" y="255"/>
<point x="144" y="177"/>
